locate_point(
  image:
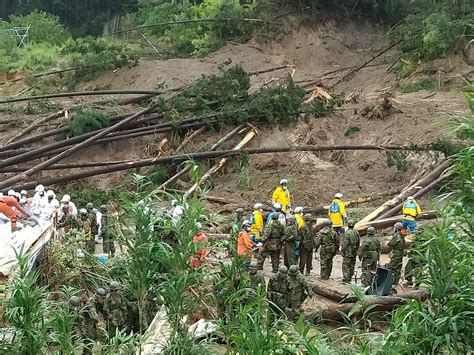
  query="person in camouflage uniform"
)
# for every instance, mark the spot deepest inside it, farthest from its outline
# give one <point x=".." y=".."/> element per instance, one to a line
<point x="256" y="277"/>
<point x="116" y="308"/>
<point x="278" y="290"/>
<point x="291" y="242"/>
<point x="68" y="221"/>
<point x="89" y="242"/>
<point x="108" y="244"/>
<point x="92" y="215"/>
<point x="369" y="252"/>
<point x="328" y="240"/>
<point x="271" y="240"/>
<point x="86" y="322"/>
<point x="307" y="244"/>
<point x="397" y="247"/>
<point x="414" y="265"/>
<point x="298" y="291"/>
<point x="349" y="246"/>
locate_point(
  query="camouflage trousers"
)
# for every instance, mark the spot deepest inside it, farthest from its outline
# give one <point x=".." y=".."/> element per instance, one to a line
<point x="89" y="246"/>
<point x="274" y="256"/>
<point x="348" y="266"/>
<point x="395" y="267"/>
<point x="306" y="259"/>
<point x="294" y="307"/>
<point x="108" y="244"/>
<point x="412" y="270"/>
<point x="368" y="267"/>
<point x="278" y="302"/>
<point x="289" y="257"/>
<point x="326" y="265"/>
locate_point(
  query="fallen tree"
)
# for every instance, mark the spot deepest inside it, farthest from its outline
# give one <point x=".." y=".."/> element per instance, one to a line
<point x="376" y="304"/>
<point x="184" y="157"/>
<point x="389" y="222"/>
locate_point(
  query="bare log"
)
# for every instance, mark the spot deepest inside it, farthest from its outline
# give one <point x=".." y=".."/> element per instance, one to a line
<point x="389" y="222"/>
<point x="211" y="155"/>
<point x="25" y="176"/>
<point x="216" y="145"/>
<point x="405" y="193"/>
<point x="379" y="303"/>
<point x="36" y="124"/>
<point x="329" y="293"/>
<point x="82" y="93"/>
<point x="248" y="137"/>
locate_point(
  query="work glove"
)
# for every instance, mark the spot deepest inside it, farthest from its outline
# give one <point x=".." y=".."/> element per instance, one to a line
<point x="259" y="245"/>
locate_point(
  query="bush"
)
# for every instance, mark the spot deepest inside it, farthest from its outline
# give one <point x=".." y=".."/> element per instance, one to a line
<point x="87" y="121"/>
<point x="45" y="28"/>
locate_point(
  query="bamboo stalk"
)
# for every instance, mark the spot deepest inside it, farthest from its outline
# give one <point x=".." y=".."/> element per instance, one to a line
<point x="209" y="155"/>
<point x="24" y="176"/>
<point x="248" y="137"/>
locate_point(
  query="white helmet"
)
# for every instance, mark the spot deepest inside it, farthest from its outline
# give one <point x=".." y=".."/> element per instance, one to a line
<point x="17" y="195"/>
<point x="39" y="188"/>
<point x="277" y="206"/>
<point x="51" y="193"/>
<point x="23" y="193"/>
<point x="174" y="203"/>
<point x="283" y="182"/>
<point x="246" y="223"/>
<point x="299" y="209"/>
<point x="66" y="199"/>
<point x="11" y="193"/>
<point x="338" y="195"/>
<point x="257" y="206"/>
<point x="410" y="198"/>
<point x="22" y="201"/>
<point x="83" y="211"/>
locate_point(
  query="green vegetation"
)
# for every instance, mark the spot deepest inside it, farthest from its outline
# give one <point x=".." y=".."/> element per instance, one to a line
<point x="424" y="84"/>
<point x="351" y="130"/>
<point x="86" y="121"/>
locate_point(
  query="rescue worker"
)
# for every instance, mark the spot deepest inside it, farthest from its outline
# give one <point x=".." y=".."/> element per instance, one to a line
<point x="256" y="277"/>
<point x="397" y="248"/>
<point x="306" y="245"/>
<point x="350" y="243"/>
<point x="24" y="204"/>
<point x="86" y="228"/>
<point x="66" y="200"/>
<point x="68" y="220"/>
<point x="10" y="207"/>
<point x="282" y="196"/>
<point x="201" y="244"/>
<point x="176" y="212"/>
<point x="337" y="213"/>
<point x="256" y="223"/>
<point x="299" y="216"/>
<point x="88" y="325"/>
<point x="414" y="264"/>
<point x="298" y="291"/>
<point x="239" y="215"/>
<point x="92" y="215"/>
<point x="53" y="203"/>
<point x="277" y="290"/>
<point x="328" y="240"/>
<point x="38" y="201"/>
<point x="369" y="253"/>
<point x="115" y="308"/>
<point x="410" y="210"/>
<point x="106" y="232"/>
<point x="244" y="241"/>
<point x="271" y="244"/>
<point x="290" y="242"/>
<point x="99" y="302"/>
<point x="24" y="194"/>
<point x="276" y="209"/>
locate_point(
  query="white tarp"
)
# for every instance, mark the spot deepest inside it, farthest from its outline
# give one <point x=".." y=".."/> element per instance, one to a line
<point x="11" y="242"/>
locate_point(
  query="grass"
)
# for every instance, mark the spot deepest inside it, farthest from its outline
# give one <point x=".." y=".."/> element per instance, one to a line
<point x="351" y="130"/>
<point x="423" y="84"/>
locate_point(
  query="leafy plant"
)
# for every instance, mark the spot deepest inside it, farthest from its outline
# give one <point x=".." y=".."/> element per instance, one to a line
<point x="86" y="121"/>
<point x="423" y="84"/>
<point x="351" y="130"/>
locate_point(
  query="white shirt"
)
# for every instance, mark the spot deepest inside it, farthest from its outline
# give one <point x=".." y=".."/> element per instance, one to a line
<point x="177" y="213"/>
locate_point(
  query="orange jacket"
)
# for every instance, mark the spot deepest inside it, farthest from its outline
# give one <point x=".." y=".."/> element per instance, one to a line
<point x="244" y="244"/>
<point x="201" y="241"/>
<point x="11" y="201"/>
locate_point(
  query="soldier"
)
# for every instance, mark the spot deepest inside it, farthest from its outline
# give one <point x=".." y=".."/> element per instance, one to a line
<point x="116" y="308"/>
<point x="256" y="277"/>
<point x="272" y="243"/>
<point x="106" y="231"/>
<point x="328" y="240"/>
<point x="291" y="242"/>
<point x="68" y="220"/>
<point x="99" y="301"/>
<point x="278" y="290"/>
<point x="89" y="321"/>
<point x="397" y="247"/>
<point x="307" y="244"/>
<point x="349" y="246"/>
<point x="298" y="290"/>
<point x="369" y="252"/>
<point x="92" y="215"/>
<point x="86" y="228"/>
